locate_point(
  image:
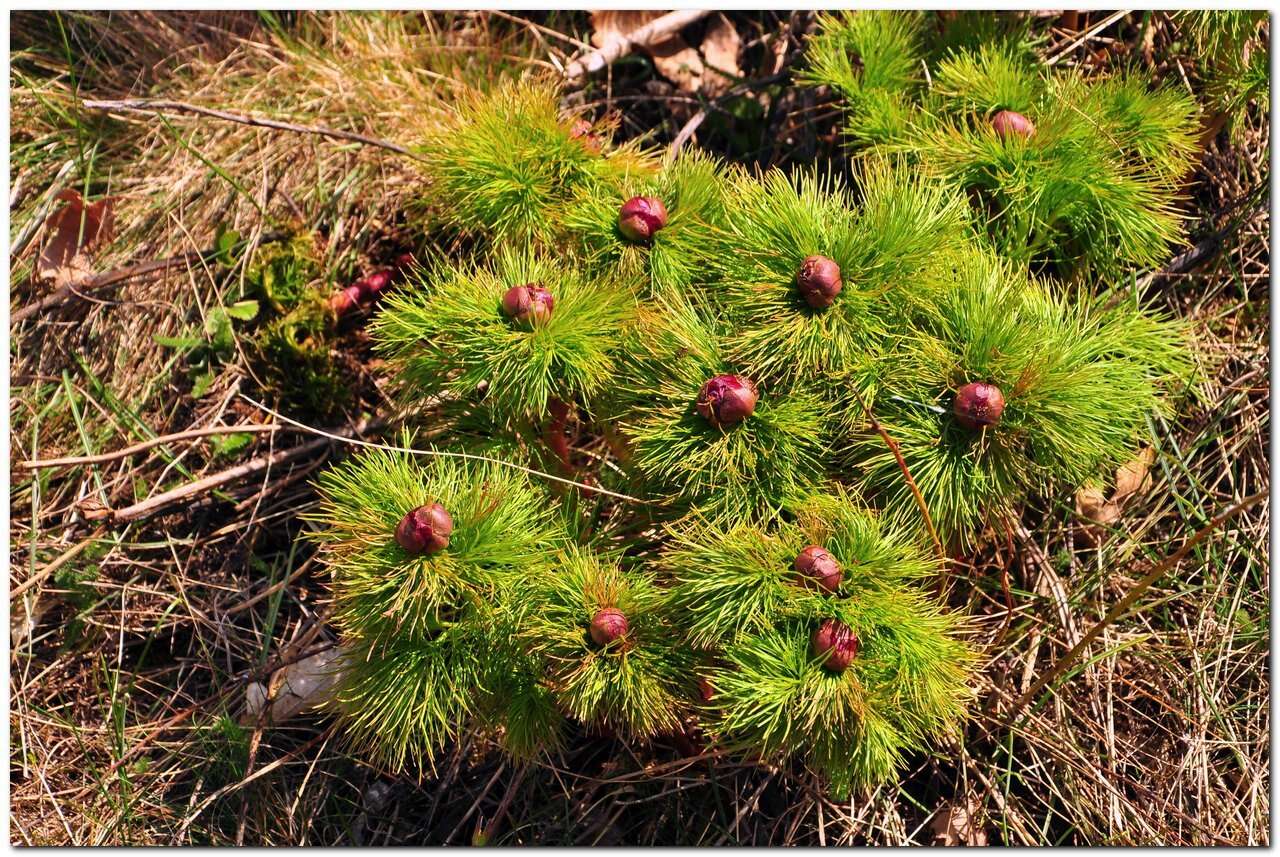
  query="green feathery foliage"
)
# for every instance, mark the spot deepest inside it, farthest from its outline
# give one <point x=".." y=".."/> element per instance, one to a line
<point x="732" y="579"/>
<point x="506" y="628"/>
<point x="769" y="694"/>
<point x="890" y="248"/>
<point x="1090" y="189"/>
<point x="775" y="454"/>
<point x="637" y="685"/>
<point x="1231" y="50"/>
<point x="692" y="188"/>
<point x="450" y="336"/>
<point x="428" y="637"/>
<point x="1078" y="383"/>
<point x="508" y="159"/>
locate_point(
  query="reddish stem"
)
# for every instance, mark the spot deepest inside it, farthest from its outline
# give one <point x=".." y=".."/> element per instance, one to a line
<point x="367" y="288"/>
<point x="554" y="432"/>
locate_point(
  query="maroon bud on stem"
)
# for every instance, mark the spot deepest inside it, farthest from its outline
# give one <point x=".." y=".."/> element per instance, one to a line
<point x="1007" y="122"/>
<point x="978" y="405"/>
<point x="726" y="400"/>
<point x="581" y="130"/>
<point x="361" y="290"/>
<point x="706" y="689"/>
<point x="818" y="281"/>
<point x="608" y="625"/>
<point x="816" y="564"/>
<point x="640" y="217"/>
<point x="528" y="304"/>
<point x="425" y="530"/>
<point x="834" y="640"/>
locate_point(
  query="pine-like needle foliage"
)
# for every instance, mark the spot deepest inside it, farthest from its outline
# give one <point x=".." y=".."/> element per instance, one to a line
<point x="750" y="468"/>
<point x="890" y="245"/>
<point x="636" y="685"/>
<point x="1079" y="384"/>
<point x="508" y="160"/>
<point x="692" y="189"/>
<point x="733" y="579"/>
<point x="1091" y="189"/>
<point x="451" y="335"/>
<point x="769" y="693"/>
<point x="428" y="638"/>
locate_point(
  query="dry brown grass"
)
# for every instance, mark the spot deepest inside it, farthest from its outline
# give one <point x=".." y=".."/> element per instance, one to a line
<point x="133" y="643"/>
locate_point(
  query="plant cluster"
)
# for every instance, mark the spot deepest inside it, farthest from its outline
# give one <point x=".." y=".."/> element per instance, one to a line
<point x="1071" y="175"/>
<point x="668" y="383"/>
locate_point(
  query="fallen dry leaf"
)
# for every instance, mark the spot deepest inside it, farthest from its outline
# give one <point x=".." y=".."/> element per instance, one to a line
<point x="1131" y="479"/>
<point x="673" y="57"/>
<point x="720" y="47"/>
<point x="957" y="825"/>
<point x="75" y="231"/>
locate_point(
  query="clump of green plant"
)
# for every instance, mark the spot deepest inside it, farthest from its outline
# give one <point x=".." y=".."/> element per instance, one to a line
<point x="726" y="535"/>
<point x="1067" y="174"/>
<point x="1008" y="388"/>
<point x="819" y="646"/>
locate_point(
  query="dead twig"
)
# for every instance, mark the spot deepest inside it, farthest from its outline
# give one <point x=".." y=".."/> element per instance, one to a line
<point x="62" y="559"/>
<point x="122" y="275"/>
<point x="190" y="434"/>
<point x="152" y="504"/>
<point x="144" y="105"/>
<point x="652" y="33"/>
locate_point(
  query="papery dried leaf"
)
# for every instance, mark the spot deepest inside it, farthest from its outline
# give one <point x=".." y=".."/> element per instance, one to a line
<point x="720" y="48"/>
<point x="75" y="230"/>
<point x="672" y="57"/>
<point x="956" y="824"/>
<point x="1134" y="477"/>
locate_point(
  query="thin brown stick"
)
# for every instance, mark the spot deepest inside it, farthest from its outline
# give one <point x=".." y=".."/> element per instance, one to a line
<point x="145" y="105"/>
<point x="122" y="275"/>
<point x="1122" y="606"/>
<point x="651" y="33"/>
<point x="62" y="559"/>
<point x="190" y="434"/>
<point x="208" y="483"/>
<point x="906" y="474"/>
<point x="1088" y="34"/>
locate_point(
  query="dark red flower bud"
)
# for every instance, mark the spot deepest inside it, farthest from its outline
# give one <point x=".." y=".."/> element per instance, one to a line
<point x="608" y="625"/>
<point x="978" y="405"/>
<point x="834" y="640"/>
<point x="640" y="217"/>
<point x="816" y="564"/>
<point x="818" y="281"/>
<point x="1007" y="122"/>
<point x="425" y="530"/>
<point x="528" y="304"/>
<point x="581" y="130"/>
<point x="726" y="400"/>
<point x="706" y="689"/>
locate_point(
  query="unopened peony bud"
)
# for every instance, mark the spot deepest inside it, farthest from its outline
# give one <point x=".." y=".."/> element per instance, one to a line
<point x="425" y="530"/>
<point x="834" y="640"/>
<point x="582" y="130"/>
<point x="528" y="304"/>
<point x="818" y="565"/>
<point x="608" y="625"/>
<point x="726" y="400"/>
<point x="978" y="405"/>
<point x="1006" y="122"/>
<point x="818" y="281"/>
<point x="640" y="217"/>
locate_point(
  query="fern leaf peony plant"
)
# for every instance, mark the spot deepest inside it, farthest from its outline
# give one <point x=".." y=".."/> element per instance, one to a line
<point x="654" y="495"/>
